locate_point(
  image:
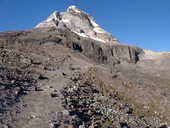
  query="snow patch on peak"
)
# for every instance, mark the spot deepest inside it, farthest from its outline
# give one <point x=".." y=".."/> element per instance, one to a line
<point x="73" y="8"/>
<point x="87" y="36"/>
<point x="66" y="20"/>
<point x="94" y="23"/>
<point x="80" y="34"/>
<point x="97" y="39"/>
<point x="53" y="16"/>
<point x="99" y="30"/>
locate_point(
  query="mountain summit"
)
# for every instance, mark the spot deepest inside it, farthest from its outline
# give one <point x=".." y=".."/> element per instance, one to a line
<point x="80" y="23"/>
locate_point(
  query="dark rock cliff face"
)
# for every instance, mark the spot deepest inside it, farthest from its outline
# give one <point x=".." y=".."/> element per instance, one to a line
<point x="111" y="55"/>
<point x="102" y="53"/>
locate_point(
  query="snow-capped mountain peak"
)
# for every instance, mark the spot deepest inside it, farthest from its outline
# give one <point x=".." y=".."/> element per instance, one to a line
<point x="80" y="23"/>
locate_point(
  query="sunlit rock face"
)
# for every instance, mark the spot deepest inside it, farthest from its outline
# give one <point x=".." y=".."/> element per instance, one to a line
<point x="80" y="23"/>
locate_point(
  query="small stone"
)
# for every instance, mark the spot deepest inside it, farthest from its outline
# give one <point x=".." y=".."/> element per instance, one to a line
<point x="82" y="126"/>
<point x="45" y="68"/>
<point x="24" y="105"/>
<point x="24" y="60"/>
<point x="12" y="81"/>
<point x="33" y="116"/>
<point x="56" y="125"/>
<point x="65" y="112"/>
<point x="53" y="95"/>
<point x="130" y="111"/>
<point x="124" y="125"/>
<point x="39" y="89"/>
<point x="165" y="94"/>
<point x="89" y="112"/>
<point x="35" y="61"/>
<point x="54" y="90"/>
<point x="42" y="77"/>
<point x="64" y="74"/>
<point x="48" y="86"/>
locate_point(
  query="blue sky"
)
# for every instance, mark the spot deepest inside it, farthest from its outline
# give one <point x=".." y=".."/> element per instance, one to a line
<point x="142" y="23"/>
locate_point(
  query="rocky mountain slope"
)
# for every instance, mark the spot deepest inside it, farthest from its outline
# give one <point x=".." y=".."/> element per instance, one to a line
<point x="59" y="75"/>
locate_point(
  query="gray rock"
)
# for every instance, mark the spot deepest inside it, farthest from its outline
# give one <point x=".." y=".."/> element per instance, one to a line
<point x="42" y="77"/>
<point x="35" y="61"/>
<point x="54" y="95"/>
<point x="39" y="89"/>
